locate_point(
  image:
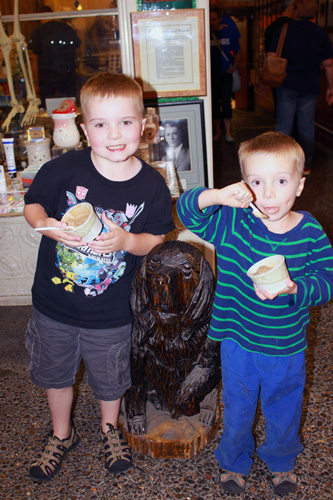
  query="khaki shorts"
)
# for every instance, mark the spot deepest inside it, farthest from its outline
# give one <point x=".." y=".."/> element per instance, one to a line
<point x="56" y="350"/>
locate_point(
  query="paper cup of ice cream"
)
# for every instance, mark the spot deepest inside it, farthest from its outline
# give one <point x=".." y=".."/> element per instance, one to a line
<point x="269" y="274"/>
<point x="82" y="221"/>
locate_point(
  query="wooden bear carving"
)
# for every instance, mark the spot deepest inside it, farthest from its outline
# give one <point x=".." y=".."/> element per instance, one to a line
<point x="174" y="364"/>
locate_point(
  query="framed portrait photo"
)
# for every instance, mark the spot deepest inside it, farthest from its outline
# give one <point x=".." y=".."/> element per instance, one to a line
<point x="182" y="141"/>
<point x="169" y="52"/>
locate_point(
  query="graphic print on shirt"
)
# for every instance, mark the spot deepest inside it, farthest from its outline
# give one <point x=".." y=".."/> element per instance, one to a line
<point x="85" y="268"/>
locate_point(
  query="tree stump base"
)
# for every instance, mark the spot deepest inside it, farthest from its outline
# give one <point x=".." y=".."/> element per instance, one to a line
<point x="167" y="437"/>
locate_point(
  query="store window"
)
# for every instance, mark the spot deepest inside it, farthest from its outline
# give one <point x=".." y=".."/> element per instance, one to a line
<point x="68" y="42"/>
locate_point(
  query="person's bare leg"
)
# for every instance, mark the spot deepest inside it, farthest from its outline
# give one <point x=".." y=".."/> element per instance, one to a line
<point x="217" y="127"/>
<point x="60" y="404"/>
<point x="109" y="414"/>
<point x="227" y="127"/>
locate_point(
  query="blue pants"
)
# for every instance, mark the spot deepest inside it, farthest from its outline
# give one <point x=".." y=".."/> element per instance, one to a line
<point x="302" y="105"/>
<point x="279" y="382"/>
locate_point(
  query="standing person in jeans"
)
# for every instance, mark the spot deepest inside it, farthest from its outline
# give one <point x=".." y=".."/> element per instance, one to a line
<point x="81" y="291"/>
<point x="223" y="36"/>
<point x="287" y="16"/>
<point x="307" y="47"/>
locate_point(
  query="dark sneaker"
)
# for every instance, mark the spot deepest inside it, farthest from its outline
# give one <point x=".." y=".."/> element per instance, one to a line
<point x="49" y="462"/>
<point x="284" y="482"/>
<point x="118" y="456"/>
<point x="233" y="482"/>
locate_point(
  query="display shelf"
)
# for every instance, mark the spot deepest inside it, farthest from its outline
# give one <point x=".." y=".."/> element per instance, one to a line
<point x="12" y="202"/>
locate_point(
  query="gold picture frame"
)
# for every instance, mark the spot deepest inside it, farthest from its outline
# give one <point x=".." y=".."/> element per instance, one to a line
<point x="169" y="52"/>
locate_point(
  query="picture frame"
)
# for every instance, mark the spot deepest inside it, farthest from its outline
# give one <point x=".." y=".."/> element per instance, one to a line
<point x="169" y="52"/>
<point x="162" y="4"/>
<point x="185" y="118"/>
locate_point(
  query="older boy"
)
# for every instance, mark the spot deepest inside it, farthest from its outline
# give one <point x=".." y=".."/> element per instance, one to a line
<point x="81" y="290"/>
<point x="263" y="335"/>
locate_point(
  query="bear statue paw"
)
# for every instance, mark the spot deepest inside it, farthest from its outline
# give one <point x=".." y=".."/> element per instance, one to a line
<point x="137" y="424"/>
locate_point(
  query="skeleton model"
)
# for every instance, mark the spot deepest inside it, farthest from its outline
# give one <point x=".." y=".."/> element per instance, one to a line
<point x="6" y="44"/>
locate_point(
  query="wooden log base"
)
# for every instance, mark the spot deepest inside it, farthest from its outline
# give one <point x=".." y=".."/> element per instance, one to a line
<point x="170" y="438"/>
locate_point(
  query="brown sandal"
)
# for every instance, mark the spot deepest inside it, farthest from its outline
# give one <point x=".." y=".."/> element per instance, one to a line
<point x="49" y="461"/>
<point x="117" y="452"/>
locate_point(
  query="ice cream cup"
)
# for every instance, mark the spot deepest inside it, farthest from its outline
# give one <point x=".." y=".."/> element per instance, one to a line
<point x="269" y="274"/>
<point x="83" y="220"/>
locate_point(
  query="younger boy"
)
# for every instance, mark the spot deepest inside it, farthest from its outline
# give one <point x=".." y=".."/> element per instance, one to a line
<point x="81" y="290"/>
<point x="263" y="334"/>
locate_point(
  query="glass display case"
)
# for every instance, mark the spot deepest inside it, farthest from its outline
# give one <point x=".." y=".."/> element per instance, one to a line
<point x="66" y="46"/>
<point x="66" y="42"/>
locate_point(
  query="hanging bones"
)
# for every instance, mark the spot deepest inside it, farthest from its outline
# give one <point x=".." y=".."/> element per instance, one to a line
<point x="6" y="45"/>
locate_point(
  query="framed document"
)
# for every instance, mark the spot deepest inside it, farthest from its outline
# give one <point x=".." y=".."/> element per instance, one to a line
<point x="169" y="52"/>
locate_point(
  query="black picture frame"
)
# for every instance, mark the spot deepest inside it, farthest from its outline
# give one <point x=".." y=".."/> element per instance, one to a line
<point x="187" y="116"/>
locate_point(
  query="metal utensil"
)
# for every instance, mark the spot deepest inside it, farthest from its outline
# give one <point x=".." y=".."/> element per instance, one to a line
<point x="258" y="213"/>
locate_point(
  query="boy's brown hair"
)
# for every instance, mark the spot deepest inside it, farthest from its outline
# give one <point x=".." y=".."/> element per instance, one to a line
<point x="111" y="85"/>
<point x="272" y="143"/>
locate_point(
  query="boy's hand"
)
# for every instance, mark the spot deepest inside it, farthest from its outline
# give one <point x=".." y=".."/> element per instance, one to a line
<point x="238" y="195"/>
<point x="60" y="235"/>
<point x="291" y="288"/>
<point x="235" y="195"/>
<point x="113" y="241"/>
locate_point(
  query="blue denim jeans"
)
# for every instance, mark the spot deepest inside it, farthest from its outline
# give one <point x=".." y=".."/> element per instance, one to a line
<point x="291" y="104"/>
<point x="279" y="382"/>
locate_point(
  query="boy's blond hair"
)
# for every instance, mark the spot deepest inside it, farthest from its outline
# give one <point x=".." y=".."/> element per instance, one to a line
<point x="111" y="85"/>
<point x="272" y="143"/>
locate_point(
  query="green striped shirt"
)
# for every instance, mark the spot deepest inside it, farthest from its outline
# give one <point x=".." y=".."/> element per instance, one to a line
<point x="273" y="327"/>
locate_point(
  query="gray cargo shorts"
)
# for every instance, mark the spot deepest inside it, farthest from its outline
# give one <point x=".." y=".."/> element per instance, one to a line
<point x="56" y="350"/>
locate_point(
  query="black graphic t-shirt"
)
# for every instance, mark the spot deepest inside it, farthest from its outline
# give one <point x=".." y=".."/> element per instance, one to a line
<point x="77" y="286"/>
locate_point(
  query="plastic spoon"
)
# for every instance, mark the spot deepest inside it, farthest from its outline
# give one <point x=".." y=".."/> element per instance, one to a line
<point x="257" y="213"/>
<point x="49" y="228"/>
